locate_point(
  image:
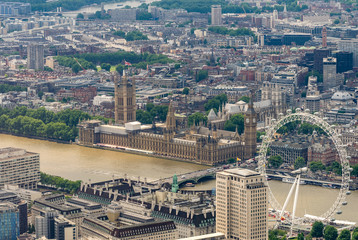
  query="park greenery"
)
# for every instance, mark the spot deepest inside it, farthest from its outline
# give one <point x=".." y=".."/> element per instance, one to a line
<point x="67" y="5"/>
<point x="71" y="63"/>
<point x="4" y="88"/>
<point x="318" y="231"/>
<point x="59" y="182"/>
<point x="301" y="128"/>
<point x="130" y="36"/>
<point x="204" y="6"/>
<point x="152" y="112"/>
<point x="277" y="234"/>
<point x="91" y="60"/>
<point x="231" y="32"/>
<point x="334" y="167"/>
<point x="134" y="36"/>
<point x="43" y="123"/>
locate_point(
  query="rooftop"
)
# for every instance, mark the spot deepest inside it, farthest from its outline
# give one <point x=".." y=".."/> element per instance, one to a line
<point x="241" y="172"/>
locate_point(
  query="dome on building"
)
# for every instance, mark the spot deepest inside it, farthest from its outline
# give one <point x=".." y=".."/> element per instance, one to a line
<point x="342" y="96"/>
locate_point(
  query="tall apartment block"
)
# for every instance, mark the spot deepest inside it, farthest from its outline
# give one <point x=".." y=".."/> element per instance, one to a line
<point x="19" y="167"/>
<point x="35" y="56"/>
<point x="241" y="204"/>
<point x="216" y="18"/>
<point x="14" y="9"/>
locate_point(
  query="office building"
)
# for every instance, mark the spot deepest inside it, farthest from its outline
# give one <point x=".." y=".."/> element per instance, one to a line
<point x="350" y="45"/>
<point x="329" y="72"/>
<point x="216" y="18"/>
<point x="318" y="56"/>
<point x="123" y="15"/>
<point x="9" y="221"/>
<point x="6" y="197"/>
<point x="19" y="167"/>
<point x="35" y="57"/>
<point x="65" y="229"/>
<point x="313" y="103"/>
<point x="45" y="224"/>
<point x="241" y="204"/>
<point x="55" y="202"/>
<point x="344" y="61"/>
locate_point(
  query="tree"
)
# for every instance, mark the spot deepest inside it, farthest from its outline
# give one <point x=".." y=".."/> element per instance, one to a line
<point x="186" y="91"/>
<point x="275" y="161"/>
<point x="245" y="99"/>
<point x="106" y="66"/>
<point x="300" y="236"/>
<point x="119" y="33"/>
<point x="120" y="68"/>
<point x="317" y="230"/>
<point x="231" y="160"/>
<point x="345" y="235"/>
<point x="144" y="117"/>
<point x="196" y="118"/>
<point x="258" y="136"/>
<point x="330" y="233"/>
<point x="277" y="234"/>
<point x="201" y="75"/>
<point x="355" y="170"/>
<point x="315" y="166"/>
<point x="235" y="121"/>
<point x="336" y="21"/>
<point x="299" y="162"/>
<point x="80" y="16"/>
<point x="355" y="235"/>
<point x="48" y="69"/>
<point x="216" y="102"/>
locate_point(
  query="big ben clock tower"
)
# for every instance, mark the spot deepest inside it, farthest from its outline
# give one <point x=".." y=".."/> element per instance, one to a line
<point x="250" y="130"/>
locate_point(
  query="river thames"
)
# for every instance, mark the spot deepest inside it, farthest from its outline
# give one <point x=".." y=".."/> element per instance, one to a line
<point x="82" y="163"/>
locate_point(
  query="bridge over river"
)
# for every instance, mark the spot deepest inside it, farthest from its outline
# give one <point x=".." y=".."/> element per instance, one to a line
<point x="208" y="174"/>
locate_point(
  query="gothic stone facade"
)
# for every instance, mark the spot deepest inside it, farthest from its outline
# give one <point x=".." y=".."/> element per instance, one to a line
<point x="200" y="145"/>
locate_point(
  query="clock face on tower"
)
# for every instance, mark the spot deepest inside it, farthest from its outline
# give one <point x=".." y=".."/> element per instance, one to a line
<point x="247" y="120"/>
<point x="254" y="120"/>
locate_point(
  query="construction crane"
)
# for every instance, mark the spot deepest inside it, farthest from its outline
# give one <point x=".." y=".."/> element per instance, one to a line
<point x="84" y="70"/>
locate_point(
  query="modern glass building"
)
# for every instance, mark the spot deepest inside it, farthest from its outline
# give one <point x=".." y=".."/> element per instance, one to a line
<point x="9" y="221"/>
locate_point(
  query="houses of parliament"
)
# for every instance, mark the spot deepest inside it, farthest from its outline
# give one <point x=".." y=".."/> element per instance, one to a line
<point x="199" y="144"/>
